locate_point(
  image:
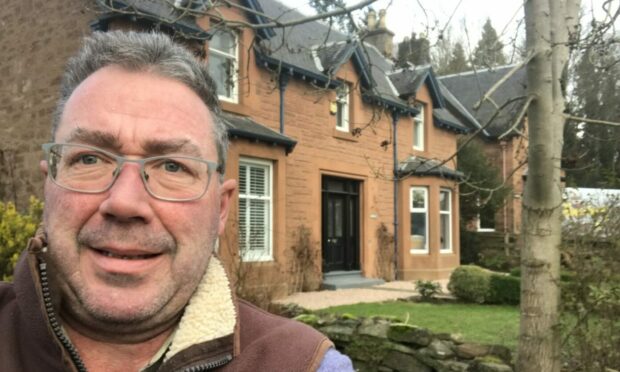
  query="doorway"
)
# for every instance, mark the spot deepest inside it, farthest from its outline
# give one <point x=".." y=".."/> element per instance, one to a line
<point x="340" y="224"/>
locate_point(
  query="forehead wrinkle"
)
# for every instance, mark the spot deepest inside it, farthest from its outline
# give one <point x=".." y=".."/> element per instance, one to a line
<point x="96" y="138"/>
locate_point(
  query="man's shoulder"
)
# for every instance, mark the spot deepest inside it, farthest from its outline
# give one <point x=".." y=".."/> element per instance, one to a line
<point x="262" y="321"/>
<point x="7" y="294"/>
<point x="290" y="342"/>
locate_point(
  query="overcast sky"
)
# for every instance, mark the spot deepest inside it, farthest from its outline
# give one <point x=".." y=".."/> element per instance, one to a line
<point x="465" y="17"/>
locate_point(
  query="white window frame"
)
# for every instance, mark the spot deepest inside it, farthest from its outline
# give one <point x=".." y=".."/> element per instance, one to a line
<point x="424" y="210"/>
<point x="449" y="214"/>
<point x="343" y="94"/>
<point x="234" y="98"/>
<point x="418" y="128"/>
<point x="267" y="254"/>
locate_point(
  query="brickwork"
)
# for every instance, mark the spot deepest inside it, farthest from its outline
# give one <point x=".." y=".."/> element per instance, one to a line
<point x="36" y="38"/>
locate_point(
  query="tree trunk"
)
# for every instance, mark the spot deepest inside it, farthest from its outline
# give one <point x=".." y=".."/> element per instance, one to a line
<point x="548" y="23"/>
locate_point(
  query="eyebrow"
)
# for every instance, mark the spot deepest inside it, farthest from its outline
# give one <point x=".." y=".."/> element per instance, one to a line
<point x="153" y="147"/>
<point x="104" y="140"/>
<point x="162" y="147"/>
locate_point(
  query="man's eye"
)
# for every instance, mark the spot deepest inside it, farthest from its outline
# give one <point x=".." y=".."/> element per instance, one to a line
<point x="172" y="166"/>
<point x="85" y="159"/>
<point x="88" y="159"/>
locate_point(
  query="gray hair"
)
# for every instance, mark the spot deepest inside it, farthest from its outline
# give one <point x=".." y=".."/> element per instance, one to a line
<point x="153" y="52"/>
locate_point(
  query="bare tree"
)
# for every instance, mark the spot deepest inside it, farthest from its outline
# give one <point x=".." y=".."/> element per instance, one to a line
<point x="551" y="26"/>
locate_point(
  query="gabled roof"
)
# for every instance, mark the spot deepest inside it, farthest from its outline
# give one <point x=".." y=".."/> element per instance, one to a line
<point x="243" y="127"/>
<point x="469" y="87"/>
<point x="419" y="166"/>
<point x="409" y="80"/>
<point x="296" y="50"/>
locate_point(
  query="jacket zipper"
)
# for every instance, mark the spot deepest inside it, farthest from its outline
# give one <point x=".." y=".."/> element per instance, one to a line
<point x="73" y="353"/>
<point x="209" y="366"/>
<point x="49" y="309"/>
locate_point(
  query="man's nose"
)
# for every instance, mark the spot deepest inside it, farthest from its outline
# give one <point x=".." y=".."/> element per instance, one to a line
<point x="128" y="199"/>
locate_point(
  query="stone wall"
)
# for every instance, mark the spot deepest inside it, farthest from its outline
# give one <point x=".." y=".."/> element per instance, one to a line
<point x="379" y="344"/>
<point x="36" y="39"/>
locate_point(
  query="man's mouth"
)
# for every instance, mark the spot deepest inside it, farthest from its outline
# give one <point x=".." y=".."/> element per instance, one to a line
<point x="126" y="256"/>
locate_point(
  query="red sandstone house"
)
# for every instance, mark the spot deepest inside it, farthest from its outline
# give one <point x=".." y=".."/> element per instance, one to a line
<point x="338" y="153"/>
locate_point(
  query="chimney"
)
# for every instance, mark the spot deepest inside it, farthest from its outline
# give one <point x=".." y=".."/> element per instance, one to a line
<point x="371" y="20"/>
<point x="378" y="34"/>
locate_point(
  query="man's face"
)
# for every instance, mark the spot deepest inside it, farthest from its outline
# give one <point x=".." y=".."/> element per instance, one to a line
<point x="122" y="256"/>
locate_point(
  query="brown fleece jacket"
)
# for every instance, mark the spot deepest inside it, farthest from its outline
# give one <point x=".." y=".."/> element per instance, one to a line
<point x="259" y="341"/>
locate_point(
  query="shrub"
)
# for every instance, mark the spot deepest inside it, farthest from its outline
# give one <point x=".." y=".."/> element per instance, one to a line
<point x="504" y="289"/>
<point x="470" y="283"/>
<point x="427" y="289"/>
<point x="15" y="230"/>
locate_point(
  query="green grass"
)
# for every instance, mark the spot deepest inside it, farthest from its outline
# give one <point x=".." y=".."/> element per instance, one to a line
<point x="486" y="324"/>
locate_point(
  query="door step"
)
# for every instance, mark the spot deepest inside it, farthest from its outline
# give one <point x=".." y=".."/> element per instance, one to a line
<point x="348" y="279"/>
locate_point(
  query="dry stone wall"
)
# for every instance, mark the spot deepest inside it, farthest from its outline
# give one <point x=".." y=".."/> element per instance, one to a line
<point x="379" y="344"/>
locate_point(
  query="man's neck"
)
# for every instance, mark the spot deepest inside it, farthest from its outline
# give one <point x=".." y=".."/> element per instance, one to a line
<point x="115" y="357"/>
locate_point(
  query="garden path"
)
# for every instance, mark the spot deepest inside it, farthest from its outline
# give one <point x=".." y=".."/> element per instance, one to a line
<point x="384" y="292"/>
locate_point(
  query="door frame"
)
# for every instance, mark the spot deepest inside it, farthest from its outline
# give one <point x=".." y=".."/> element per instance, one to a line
<point x="351" y="194"/>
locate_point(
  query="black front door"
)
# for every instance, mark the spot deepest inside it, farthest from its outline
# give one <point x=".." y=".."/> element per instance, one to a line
<point x="340" y="224"/>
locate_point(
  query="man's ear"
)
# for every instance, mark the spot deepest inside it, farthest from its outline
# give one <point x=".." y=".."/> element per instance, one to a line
<point x="227" y="189"/>
<point x="43" y="167"/>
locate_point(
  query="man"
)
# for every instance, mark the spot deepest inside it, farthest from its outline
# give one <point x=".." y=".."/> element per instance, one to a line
<point x="122" y="276"/>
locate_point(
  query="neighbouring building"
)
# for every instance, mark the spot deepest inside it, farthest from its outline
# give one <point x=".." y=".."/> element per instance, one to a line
<point x="502" y="125"/>
<point x="338" y="153"/>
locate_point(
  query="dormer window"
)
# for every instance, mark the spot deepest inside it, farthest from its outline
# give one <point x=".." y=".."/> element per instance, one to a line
<point x="222" y="62"/>
<point x="418" y="128"/>
<point x="342" y="108"/>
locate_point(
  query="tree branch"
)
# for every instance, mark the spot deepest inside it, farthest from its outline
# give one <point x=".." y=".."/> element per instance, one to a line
<point x="501" y="81"/>
<point x="519" y="117"/>
<point x="592" y="121"/>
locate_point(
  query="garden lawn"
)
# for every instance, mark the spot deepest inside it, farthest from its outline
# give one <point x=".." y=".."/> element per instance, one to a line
<point x="485" y="324"/>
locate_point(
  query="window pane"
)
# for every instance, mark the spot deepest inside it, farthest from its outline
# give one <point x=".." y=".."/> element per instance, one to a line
<point x="417" y="198"/>
<point x="223" y="41"/>
<point x="243" y="224"/>
<point x="418" y="230"/>
<point x="444" y="201"/>
<point x="445" y="231"/>
<point x="258" y="225"/>
<point x="242" y="179"/>
<point x="259" y="184"/>
<point x="220" y="70"/>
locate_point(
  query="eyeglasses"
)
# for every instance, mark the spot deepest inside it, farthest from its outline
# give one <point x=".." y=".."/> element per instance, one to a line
<point x="92" y="170"/>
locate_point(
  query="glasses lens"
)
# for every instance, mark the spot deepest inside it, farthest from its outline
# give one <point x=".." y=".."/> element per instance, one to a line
<point x="80" y="167"/>
<point x="177" y="177"/>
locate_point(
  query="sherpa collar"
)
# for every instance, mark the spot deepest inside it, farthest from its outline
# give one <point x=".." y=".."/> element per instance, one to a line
<point x="210" y="314"/>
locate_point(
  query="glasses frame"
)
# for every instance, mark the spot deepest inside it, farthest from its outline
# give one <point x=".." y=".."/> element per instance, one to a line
<point x="120" y="160"/>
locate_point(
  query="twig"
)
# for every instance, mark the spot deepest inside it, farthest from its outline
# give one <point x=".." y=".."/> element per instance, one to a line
<point x="501" y="81"/>
<point x="519" y="117"/>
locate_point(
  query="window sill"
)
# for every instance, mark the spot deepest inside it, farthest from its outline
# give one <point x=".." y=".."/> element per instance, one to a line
<point x="418" y="252"/>
<point x="445" y="251"/>
<point x="343" y="135"/>
<point x="257" y="259"/>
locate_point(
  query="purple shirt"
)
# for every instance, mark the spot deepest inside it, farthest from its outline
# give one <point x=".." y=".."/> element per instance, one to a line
<point x="334" y="361"/>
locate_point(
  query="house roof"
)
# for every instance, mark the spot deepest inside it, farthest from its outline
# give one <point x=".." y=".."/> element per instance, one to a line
<point x="313" y="51"/>
<point x="243" y="127"/>
<point x="408" y="81"/>
<point x="469" y="87"/>
<point x="419" y="166"/>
